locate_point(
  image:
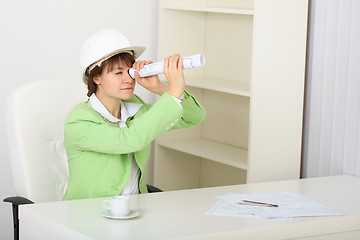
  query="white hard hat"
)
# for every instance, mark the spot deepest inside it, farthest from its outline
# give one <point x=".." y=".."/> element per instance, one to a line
<point x="103" y="45"/>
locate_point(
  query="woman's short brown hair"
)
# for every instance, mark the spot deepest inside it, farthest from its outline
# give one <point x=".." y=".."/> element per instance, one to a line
<point x="110" y="63"/>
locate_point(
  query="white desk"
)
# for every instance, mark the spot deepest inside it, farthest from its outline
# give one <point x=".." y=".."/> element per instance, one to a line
<point x="181" y="215"/>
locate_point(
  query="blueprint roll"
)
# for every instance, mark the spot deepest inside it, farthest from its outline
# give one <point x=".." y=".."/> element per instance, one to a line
<point x="192" y="61"/>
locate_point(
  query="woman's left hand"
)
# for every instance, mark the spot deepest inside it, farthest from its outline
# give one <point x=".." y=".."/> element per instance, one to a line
<point x="151" y="83"/>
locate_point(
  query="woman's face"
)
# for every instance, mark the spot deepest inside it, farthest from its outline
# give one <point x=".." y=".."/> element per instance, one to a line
<point x="115" y="83"/>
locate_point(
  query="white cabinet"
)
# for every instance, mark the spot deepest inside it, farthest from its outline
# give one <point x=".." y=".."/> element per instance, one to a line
<point x="252" y="87"/>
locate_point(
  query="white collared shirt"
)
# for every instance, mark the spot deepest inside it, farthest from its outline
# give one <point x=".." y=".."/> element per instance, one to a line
<point x="127" y="110"/>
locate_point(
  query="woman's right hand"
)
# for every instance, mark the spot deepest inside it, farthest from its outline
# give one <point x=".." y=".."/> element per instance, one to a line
<point x="173" y="70"/>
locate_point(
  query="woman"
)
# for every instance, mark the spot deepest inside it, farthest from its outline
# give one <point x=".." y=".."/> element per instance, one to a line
<point x="108" y="138"/>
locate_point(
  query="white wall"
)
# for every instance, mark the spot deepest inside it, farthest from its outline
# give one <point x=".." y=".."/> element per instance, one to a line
<point x="40" y="39"/>
<point x="332" y="126"/>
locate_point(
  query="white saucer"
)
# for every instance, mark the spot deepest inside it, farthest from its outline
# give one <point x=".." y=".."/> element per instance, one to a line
<point x="108" y="214"/>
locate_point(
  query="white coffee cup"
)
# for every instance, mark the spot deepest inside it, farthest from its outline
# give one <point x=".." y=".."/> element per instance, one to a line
<point x="118" y="205"/>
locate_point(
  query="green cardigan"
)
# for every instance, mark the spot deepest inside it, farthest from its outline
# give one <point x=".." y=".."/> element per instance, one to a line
<point x="98" y="150"/>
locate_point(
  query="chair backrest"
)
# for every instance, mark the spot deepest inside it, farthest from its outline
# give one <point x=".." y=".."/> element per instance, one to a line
<point x="36" y="115"/>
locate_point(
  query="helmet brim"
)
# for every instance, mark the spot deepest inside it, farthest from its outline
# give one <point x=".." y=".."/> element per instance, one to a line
<point x="137" y="50"/>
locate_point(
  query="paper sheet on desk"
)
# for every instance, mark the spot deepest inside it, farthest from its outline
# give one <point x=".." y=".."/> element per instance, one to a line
<point x="290" y="205"/>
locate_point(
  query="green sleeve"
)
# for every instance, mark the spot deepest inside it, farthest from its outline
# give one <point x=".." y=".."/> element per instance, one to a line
<point x="84" y="130"/>
<point x="193" y="113"/>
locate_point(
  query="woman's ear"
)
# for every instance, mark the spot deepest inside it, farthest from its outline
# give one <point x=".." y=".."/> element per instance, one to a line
<point x="96" y="80"/>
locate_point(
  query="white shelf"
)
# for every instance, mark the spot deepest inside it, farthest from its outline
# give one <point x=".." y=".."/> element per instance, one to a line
<point x="209" y="9"/>
<point x="218" y="152"/>
<point x="218" y="84"/>
<point x="225" y="85"/>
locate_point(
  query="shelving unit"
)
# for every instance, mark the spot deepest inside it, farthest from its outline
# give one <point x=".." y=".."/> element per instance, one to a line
<point x="251" y="86"/>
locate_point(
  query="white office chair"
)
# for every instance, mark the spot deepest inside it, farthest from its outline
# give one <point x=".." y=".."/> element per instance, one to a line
<point x="35" y="121"/>
<point x="36" y="115"/>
